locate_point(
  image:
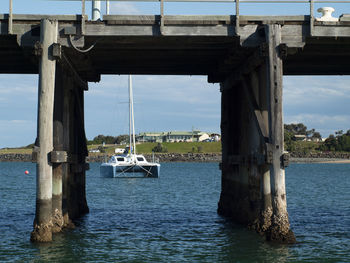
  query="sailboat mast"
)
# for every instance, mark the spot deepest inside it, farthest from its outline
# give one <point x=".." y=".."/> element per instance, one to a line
<point x="131" y="117"/>
<point x="130" y="128"/>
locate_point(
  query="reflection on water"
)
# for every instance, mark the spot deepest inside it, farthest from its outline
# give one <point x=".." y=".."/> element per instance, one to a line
<point x="174" y="219"/>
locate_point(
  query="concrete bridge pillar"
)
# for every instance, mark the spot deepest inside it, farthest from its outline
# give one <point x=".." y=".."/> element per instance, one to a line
<point x="253" y="160"/>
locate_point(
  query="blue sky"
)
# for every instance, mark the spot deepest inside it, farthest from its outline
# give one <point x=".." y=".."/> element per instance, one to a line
<point x="164" y="103"/>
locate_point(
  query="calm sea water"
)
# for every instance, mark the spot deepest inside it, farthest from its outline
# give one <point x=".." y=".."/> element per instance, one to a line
<point x="174" y="219"/>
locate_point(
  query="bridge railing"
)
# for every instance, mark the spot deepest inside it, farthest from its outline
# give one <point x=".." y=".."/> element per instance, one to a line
<point x="162" y="2"/>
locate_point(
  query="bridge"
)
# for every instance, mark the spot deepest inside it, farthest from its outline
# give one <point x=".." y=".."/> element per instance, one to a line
<point x="247" y="55"/>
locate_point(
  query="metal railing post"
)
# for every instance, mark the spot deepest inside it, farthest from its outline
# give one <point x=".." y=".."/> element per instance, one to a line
<point x="161" y="17"/>
<point x="96" y="10"/>
<point x="237" y="17"/>
<point x="83" y="17"/>
<point x="10" y="29"/>
<point x="311" y="17"/>
<point x="107" y="7"/>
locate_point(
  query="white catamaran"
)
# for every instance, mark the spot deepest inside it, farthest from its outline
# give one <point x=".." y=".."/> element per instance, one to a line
<point x="130" y="164"/>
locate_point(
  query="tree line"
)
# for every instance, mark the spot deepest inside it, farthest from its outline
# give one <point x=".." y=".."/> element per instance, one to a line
<point x="338" y="142"/>
<point x="100" y="139"/>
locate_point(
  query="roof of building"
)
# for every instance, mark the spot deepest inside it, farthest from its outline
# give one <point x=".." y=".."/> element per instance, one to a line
<point x="151" y="134"/>
<point x="183" y="133"/>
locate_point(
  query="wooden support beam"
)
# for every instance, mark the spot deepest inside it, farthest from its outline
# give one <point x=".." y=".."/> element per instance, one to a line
<point x="264" y="96"/>
<point x="43" y="219"/>
<point x="254" y="108"/>
<point x="78" y="191"/>
<point x="67" y="142"/>
<point x="65" y="61"/>
<point x="250" y="64"/>
<point x="75" y="149"/>
<point x="249" y="159"/>
<point x="280" y="228"/>
<point x="58" y="154"/>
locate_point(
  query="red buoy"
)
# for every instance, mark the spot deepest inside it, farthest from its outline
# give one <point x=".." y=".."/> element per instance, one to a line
<point x="26" y="172"/>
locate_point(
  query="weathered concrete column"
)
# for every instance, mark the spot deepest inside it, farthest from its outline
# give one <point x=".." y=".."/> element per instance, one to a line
<point x="43" y="219"/>
<point x="280" y="228"/>
<point x="58" y="138"/>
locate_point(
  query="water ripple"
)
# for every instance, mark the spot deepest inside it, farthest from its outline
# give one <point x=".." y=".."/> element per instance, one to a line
<point x="174" y="219"/>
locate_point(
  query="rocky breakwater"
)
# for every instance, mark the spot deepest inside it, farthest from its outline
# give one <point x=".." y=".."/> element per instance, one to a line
<point x="186" y="157"/>
<point x="191" y="157"/>
<point x="318" y="157"/>
<point x="15" y="157"/>
<point x="161" y="157"/>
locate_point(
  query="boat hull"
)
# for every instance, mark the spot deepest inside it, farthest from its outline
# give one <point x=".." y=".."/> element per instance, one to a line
<point x="130" y="171"/>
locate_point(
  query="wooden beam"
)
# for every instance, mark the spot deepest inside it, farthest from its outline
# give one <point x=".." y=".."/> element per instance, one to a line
<point x="42" y="224"/>
<point x="83" y="84"/>
<point x="280" y="228"/>
<point x="255" y="109"/>
<point x="251" y="63"/>
<point x="58" y="154"/>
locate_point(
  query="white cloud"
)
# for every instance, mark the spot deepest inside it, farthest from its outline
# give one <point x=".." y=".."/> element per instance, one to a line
<point x="182" y="89"/>
<point x="15" y="133"/>
<point x="170" y="103"/>
<point x="9" y="124"/>
<point x="160" y="102"/>
<point x="318" y="102"/>
<point x="19" y="89"/>
<point x="317" y="118"/>
<point x="325" y="124"/>
<point x="124" y="9"/>
<point x="298" y="90"/>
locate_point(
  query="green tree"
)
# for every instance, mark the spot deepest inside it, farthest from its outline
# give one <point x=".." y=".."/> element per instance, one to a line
<point x="122" y="139"/>
<point x="159" y="148"/>
<point x="298" y="128"/>
<point x="330" y="143"/>
<point x="340" y="142"/>
<point x="339" y="133"/>
<point x="289" y="141"/>
<point x="316" y="135"/>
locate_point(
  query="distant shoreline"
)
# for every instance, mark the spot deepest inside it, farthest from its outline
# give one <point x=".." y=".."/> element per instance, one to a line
<point x="179" y="157"/>
<point x="319" y="160"/>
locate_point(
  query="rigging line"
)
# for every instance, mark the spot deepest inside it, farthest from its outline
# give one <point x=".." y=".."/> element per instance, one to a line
<point x="82" y="50"/>
<point x="126" y="170"/>
<point x="147" y="171"/>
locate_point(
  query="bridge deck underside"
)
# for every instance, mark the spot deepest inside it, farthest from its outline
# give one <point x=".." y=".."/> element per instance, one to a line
<point x="14" y="59"/>
<point x="119" y="51"/>
<point x="320" y="57"/>
<point x="155" y="55"/>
